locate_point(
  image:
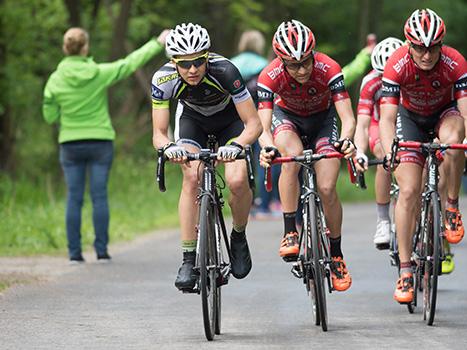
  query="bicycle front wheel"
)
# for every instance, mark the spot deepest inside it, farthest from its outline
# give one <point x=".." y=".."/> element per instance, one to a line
<point x="318" y="264"/>
<point x="208" y="266"/>
<point x="432" y="247"/>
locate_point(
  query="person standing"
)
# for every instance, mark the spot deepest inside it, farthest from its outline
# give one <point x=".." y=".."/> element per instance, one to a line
<point x="75" y="96"/>
<point x="250" y="62"/>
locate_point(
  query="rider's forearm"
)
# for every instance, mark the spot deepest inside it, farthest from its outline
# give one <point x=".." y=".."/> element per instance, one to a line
<point x="251" y="132"/>
<point x="160" y="131"/>
<point x="387" y="126"/>
<point x="344" y="110"/>
<point x="266" y="139"/>
<point x="361" y="132"/>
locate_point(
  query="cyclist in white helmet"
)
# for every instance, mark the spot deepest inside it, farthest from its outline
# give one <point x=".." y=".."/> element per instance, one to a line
<point x="212" y="99"/>
<point x="367" y="134"/>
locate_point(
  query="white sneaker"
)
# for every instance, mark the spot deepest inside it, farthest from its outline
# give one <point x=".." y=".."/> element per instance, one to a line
<point x="382" y="234"/>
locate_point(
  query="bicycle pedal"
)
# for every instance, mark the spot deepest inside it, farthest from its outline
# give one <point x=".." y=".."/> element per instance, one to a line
<point x="290" y="258"/>
<point x="382" y="246"/>
<point x="189" y="290"/>
<point x="297" y="271"/>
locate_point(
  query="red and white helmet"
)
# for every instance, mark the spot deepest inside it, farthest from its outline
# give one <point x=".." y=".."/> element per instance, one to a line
<point x="293" y="40"/>
<point x="424" y="28"/>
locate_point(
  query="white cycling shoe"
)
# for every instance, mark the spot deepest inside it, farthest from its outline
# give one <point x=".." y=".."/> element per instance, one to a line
<point x="382" y="234"/>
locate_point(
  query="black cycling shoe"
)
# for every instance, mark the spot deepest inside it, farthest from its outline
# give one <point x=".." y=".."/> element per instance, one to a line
<point x="241" y="258"/>
<point x="186" y="278"/>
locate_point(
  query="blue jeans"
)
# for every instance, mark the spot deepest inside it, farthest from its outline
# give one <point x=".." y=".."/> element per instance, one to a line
<point x="77" y="158"/>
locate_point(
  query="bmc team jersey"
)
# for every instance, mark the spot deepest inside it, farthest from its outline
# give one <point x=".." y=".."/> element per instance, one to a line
<point x="370" y="95"/>
<point x="424" y="92"/>
<point x="326" y="84"/>
<point x="221" y="84"/>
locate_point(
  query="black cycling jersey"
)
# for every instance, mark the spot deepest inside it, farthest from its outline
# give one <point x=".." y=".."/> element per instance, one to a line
<point x="221" y="85"/>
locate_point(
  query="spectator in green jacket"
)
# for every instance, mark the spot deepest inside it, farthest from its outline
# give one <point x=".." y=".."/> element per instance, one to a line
<point x="75" y="96"/>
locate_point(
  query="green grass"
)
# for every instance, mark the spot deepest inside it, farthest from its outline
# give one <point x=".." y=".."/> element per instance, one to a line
<point x="32" y="213"/>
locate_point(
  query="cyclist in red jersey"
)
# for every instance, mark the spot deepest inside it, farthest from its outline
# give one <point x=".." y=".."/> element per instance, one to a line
<point x="310" y="93"/>
<point x="367" y="133"/>
<point x="424" y="95"/>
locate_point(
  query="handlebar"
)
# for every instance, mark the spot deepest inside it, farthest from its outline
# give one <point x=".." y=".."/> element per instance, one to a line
<point x="306" y="159"/>
<point x="427" y="146"/>
<point x="204" y="155"/>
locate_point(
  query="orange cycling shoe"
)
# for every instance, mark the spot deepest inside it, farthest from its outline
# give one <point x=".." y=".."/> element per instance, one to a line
<point x="454" y="227"/>
<point x="341" y="279"/>
<point x="404" y="289"/>
<point x="289" y="246"/>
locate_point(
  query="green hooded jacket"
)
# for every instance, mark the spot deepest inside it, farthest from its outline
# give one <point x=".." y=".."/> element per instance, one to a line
<point x="76" y="93"/>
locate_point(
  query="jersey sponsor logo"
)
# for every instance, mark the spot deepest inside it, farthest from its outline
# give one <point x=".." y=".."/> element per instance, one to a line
<point x="388" y="89"/>
<point x="273" y="74"/>
<point x="322" y="66"/>
<point x="156" y="92"/>
<point x="337" y="85"/>
<point x="401" y="62"/>
<point x="167" y="78"/>
<point x="461" y="84"/>
<point x="436" y="84"/>
<point x="264" y="95"/>
<point x="243" y="94"/>
<point x="237" y="84"/>
<point x="448" y="61"/>
<point x="312" y="91"/>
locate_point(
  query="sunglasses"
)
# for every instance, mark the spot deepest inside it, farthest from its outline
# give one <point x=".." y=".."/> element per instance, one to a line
<point x="295" y="66"/>
<point x="197" y="61"/>
<point x="420" y="49"/>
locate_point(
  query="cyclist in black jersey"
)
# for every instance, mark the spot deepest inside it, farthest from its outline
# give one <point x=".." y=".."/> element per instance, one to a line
<point x="212" y="99"/>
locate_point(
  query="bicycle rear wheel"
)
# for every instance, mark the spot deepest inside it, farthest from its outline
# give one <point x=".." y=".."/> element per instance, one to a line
<point x="208" y="266"/>
<point x="432" y="248"/>
<point x="318" y="266"/>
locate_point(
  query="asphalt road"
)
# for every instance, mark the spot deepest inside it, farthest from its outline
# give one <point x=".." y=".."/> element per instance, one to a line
<point x="133" y="304"/>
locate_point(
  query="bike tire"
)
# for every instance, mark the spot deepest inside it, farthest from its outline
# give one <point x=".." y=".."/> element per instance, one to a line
<point x="207" y="266"/>
<point x="308" y="269"/>
<point x="318" y="267"/>
<point x="432" y="262"/>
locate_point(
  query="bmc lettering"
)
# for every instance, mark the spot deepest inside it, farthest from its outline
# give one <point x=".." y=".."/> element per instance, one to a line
<point x="274" y="72"/>
<point x="322" y="66"/>
<point x="448" y="61"/>
<point x="399" y="64"/>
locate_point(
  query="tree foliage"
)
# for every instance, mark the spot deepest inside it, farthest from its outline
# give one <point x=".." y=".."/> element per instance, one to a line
<point x="30" y="49"/>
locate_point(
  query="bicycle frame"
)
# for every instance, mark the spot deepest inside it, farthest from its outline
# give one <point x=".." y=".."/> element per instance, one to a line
<point x="314" y="261"/>
<point x="212" y="270"/>
<point x="428" y="248"/>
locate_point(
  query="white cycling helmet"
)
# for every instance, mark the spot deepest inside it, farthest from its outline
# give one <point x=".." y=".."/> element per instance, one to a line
<point x="293" y="40"/>
<point x="383" y="51"/>
<point x="187" y="39"/>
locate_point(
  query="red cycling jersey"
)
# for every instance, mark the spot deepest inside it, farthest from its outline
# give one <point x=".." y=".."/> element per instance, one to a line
<point x="424" y="92"/>
<point x="326" y="82"/>
<point x="370" y="95"/>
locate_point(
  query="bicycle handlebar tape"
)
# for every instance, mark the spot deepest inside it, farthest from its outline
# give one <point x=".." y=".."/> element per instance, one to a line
<point x="268" y="179"/>
<point x="352" y="170"/>
<point x="361" y="176"/>
<point x="160" y="171"/>
<point x="249" y="167"/>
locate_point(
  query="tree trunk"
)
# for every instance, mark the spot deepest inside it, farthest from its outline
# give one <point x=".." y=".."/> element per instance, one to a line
<point x="74" y="10"/>
<point x="7" y="135"/>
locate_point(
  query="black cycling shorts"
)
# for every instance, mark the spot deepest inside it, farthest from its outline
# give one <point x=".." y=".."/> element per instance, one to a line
<point x="411" y="126"/>
<point x="193" y="128"/>
<point x="317" y="131"/>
